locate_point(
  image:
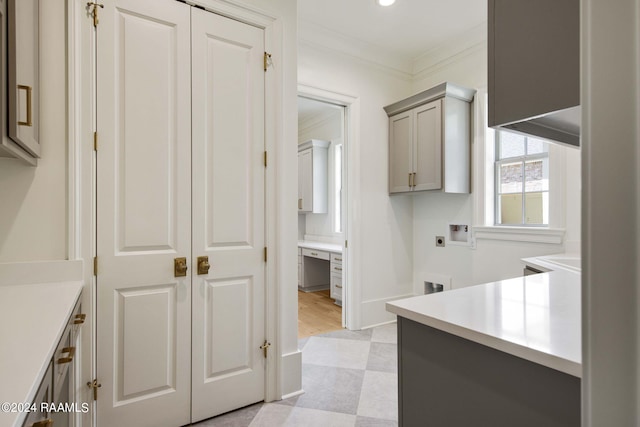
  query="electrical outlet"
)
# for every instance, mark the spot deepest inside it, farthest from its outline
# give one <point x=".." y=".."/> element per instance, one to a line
<point x="440" y="241"/>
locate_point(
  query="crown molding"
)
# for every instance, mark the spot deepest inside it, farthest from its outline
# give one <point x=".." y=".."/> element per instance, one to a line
<point x="316" y="37"/>
<point x="317" y="120"/>
<point x="451" y="50"/>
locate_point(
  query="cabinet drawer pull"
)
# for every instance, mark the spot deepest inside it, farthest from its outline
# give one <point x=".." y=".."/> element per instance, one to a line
<point x="338" y="268"/>
<point x="299" y="203"/>
<point x="29" y="121"/>
<point x="71" y="351"/>
<point x="339" y="286"/>
<point x="314" y="253"/>
<point x="338" y="259"/>
<point x="44" y="423"/>
<point x="79" y="319"/>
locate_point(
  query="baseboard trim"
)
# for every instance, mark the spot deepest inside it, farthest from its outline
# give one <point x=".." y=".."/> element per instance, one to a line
<point x="294" y="394"/>
<point x="374" y="312"/>
<point x="291" y="374"/>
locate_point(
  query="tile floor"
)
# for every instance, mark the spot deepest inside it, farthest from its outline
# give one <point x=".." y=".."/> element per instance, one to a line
<point x="349" y="379"/>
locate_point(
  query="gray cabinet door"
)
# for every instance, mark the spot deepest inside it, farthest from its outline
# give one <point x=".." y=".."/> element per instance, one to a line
<point x="23" y="74"/>
<point x="427" y="149"/>
<point x="400" y="152"/>
<point x="534" y="58"/>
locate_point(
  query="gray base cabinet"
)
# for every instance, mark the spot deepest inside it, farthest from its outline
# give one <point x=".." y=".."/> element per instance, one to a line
<point x="445" y="380"/>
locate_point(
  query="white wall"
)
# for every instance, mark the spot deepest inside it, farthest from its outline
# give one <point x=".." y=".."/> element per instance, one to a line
<point x="385" y="249"/>
<point x="490" y="260"/>
<point x="33" y="212"/>
<point x="326" y="128"/>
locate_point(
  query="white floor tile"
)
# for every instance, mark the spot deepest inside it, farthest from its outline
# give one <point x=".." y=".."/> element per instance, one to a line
<point x="286" y="416"/>
<point x="385" y="333"/>
<point x="339" y="353"/>
<point x="379" y="396"/>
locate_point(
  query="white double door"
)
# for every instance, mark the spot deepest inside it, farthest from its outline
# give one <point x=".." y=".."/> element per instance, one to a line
<point x="180" y="174"/>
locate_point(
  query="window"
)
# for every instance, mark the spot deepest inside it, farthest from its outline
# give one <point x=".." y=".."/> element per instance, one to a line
<point x="521" y="180"/>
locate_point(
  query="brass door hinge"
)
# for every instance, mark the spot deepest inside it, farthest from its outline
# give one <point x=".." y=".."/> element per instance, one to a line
<point x="94" y="11"/>
<point x="265" y="347"/>
<point x="267" y="60"/>
<point x="265" y="159"/>
<point x="265" y="254"/>
<point x="95" y="141"/>
<point x="95" y="265"/>
<point x="95" y="386"/>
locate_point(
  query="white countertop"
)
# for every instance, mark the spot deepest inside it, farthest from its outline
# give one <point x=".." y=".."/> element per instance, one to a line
<point x="570" y="262"/>
<point x="320" y="246"/>
<point x="32" y="320"/>
<point x="535" y="317"/>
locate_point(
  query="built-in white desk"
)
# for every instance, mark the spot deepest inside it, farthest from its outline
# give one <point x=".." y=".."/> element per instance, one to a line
<point x="320" y="267"/>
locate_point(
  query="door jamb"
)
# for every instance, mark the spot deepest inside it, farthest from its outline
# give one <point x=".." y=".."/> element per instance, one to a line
<point x="353" y="296"/>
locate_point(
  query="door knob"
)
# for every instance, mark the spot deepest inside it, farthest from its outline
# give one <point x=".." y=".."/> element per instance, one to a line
<point x="180" y="267"/>
<point x="203" y="265"/>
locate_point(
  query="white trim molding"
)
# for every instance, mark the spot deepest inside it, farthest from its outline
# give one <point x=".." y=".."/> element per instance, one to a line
<point x="353" y="294"/>
<point x="551" y="236"/>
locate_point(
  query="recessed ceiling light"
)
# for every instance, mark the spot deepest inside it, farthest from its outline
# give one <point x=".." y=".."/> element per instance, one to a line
<point x="385" y="2"/>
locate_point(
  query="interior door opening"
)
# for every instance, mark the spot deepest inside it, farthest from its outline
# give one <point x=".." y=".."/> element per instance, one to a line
<point x="322" y="216"/>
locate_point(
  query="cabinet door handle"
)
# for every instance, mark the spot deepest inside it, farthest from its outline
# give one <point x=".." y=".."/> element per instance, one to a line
<point x="79" y="319"/>
<point x="410" y="185"/>
<point x="413" y="180"/>
<point x="299" y="203"/>
<point x="71" y="352"/>
<point x="29" y="121"/>
<point x="44" y="423"/>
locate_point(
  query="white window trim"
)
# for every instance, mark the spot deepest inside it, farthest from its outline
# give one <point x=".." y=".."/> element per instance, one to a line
<point x="483" y="189"/>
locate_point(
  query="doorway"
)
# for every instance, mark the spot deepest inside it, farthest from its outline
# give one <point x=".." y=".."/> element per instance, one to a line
<point x="322" y="213"/>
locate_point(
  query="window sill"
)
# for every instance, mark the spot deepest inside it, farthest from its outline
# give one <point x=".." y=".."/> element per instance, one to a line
<point x="553" y="236"/>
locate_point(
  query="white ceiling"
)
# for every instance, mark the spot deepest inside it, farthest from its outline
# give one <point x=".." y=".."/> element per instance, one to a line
<point x="409" y="28"/>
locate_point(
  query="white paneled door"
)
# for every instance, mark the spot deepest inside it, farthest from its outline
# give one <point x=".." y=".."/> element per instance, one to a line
<point x="179" y="175"/>
<point x="228" y="214"/>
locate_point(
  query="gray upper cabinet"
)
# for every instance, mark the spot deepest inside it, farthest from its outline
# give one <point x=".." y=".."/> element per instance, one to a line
<point x="20" y="71"/>
<point x="534" y="68"/>
<point x="430" y="141"/>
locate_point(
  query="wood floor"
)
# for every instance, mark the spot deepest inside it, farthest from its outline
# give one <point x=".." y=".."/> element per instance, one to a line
<point x="317" y="314"/>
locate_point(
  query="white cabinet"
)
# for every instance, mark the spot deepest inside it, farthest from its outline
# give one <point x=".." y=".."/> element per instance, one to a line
<point x="430" y="141"/>
<point x="20" y="69"/>
<point x="336" y="278"/>
<point x="313" y="159"/>
<point x="59" y="384"/>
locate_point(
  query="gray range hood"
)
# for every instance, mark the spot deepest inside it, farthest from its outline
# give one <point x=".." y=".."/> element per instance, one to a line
<point x="534" y="68"/>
